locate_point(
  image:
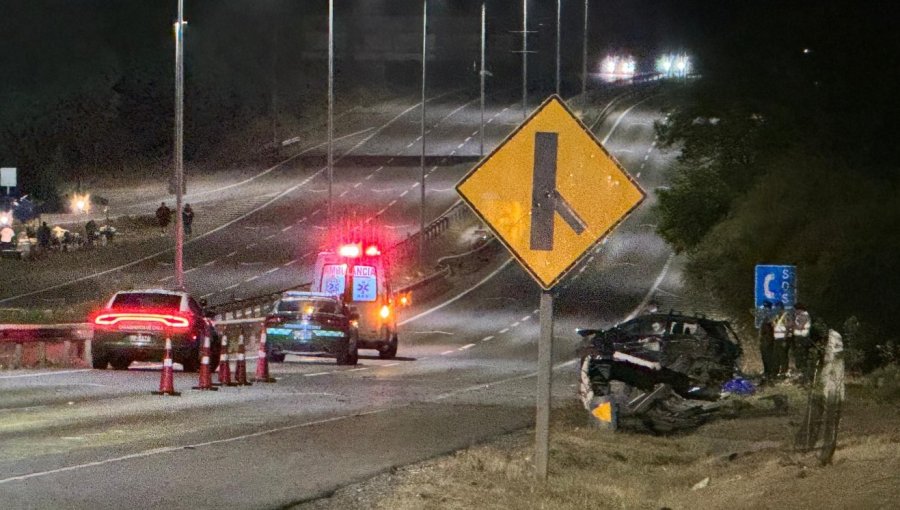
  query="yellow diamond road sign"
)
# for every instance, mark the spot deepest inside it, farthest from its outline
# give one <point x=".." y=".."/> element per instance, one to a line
<point x="550" y="192"/>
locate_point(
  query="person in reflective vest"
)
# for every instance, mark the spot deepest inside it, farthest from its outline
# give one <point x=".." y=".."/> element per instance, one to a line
<point x="780" y="333"/>
<point x="803" y="358"/>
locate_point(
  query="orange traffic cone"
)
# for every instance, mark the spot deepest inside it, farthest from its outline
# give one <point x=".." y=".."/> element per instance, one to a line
<point x="205" y="373"/>
<point x="167" y="379"/>
<point x="224" y="364"/>
<point x="240" y="367"/>
<point x="262" y="364"/>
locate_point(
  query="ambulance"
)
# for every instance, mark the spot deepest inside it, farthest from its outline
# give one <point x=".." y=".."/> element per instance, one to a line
<point x="357" y="273"/>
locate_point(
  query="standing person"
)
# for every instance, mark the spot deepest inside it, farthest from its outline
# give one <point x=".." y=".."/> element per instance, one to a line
<point x="801" y="342"/>
<point x="187" y="218"/>
<point x="163" y="216"/>
<point x="43" y="236"/>
<point x="766" y="339"/>
<point x="90" y="230"/>
<point x="780" y="332"/>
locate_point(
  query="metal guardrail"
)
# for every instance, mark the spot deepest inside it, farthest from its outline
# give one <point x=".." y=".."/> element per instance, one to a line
<point x="40" y="335"/>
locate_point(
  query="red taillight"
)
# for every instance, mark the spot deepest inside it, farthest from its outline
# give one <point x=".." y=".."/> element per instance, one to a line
<point x="125" y="319"/>
<point x="373" y="251"/>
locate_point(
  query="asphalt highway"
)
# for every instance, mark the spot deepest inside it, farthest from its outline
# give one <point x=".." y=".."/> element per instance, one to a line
<point x="98" y="439"/>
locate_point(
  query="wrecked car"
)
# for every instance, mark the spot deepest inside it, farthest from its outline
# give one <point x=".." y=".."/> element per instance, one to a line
<point x="659" y="372"/>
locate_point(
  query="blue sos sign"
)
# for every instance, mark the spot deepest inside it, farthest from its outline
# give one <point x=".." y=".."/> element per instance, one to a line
<point x="776" y="283"/>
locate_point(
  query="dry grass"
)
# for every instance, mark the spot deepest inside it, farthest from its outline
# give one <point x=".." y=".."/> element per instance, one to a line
<point x="748" y="460"/>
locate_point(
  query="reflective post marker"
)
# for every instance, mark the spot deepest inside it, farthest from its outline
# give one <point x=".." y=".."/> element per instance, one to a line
<point x="544" y="384"/>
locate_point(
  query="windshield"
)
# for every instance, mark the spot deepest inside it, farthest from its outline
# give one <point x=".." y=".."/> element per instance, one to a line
<point x="146" y="300"/>
<point x="308" y="306"/>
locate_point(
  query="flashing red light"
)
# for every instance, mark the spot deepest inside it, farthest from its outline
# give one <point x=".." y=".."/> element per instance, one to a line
<point x="373" y="251"/>
<point x="165" y="320"/>
<point x="349" y="250"/>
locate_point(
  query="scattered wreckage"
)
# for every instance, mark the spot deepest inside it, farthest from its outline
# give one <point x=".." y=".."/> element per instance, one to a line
<point x="660" y="372"/>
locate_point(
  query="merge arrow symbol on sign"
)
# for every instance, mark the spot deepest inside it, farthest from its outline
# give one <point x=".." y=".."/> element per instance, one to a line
<point x="545" y="197"/>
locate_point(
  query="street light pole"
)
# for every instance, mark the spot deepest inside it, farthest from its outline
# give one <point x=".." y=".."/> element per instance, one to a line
<point x="179" y="146"/>
<point x="524" y="59"/>
<point x="330" y="113"/>
<point x="422" y="134"/>
<point x="482" y="73"/>
<point x="558" y="22"/>
<point x="584" y="59"/>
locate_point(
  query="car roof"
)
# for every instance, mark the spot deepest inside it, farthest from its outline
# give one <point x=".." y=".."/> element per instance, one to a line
<point x="153" y="291"/>
<point x="297" y="294"/>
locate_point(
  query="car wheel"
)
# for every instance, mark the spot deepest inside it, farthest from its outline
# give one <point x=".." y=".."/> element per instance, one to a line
<point x="354" y="351"/>
<point x="276" y="357"/>
<point x="120" y="363"/>
<point x="99" y="360"/>
<point x="390" y="351"/>
<point x="343" y="354"/>
<point x="585" y="385"/>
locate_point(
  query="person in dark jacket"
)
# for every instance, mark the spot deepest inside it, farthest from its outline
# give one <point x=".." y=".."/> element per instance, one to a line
<point x="43" y="236"/>
<point x="163" y="216"/>
<point x="187" y="218"/>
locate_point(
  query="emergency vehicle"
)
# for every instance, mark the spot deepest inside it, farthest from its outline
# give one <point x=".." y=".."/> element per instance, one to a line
<point x="358" y="273"/>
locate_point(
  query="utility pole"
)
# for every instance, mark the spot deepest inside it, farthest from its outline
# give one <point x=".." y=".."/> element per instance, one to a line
<point x="422" y="134"/>
<point x="483" y="70"/>
<point x="330" y="114"/>
<point x="179" y="146"/>
<point x="524" y="59"/>
<point x="584" y="59"/>
<point x="558" y="24"/>
<point x="275" y="88"/>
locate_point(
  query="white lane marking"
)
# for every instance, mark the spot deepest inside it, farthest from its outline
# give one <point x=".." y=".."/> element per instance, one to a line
<point x="638" y="176"/>
<point x="446" y="353"/>
<point x="536" y="311"/>
<point x="251" y="278"/>
<point x="662" y="275"/>
<point x="460" y="146"/>
<point x="317" y="211"/>
<point x="356" y="369"/>
<point x="317" y="374"/>
<point x="581" y="269"/>
<point x="204" y="296"/>
<point x="502" y="331"/>
<point x="646" y="157"/>
<point x="619" y="120"/>
<point x="453" y="152"/>
<point x="392" y="202"/>
<point x="467" y="346"/>
<point x="514" y="325"/>
<point x="502" y="381"/>
<point x="487" y="338"/>
<point x="458" y="296"/>
<point x="165" y="279"/>
<point x="357" y="184"/>
<point x="404" y="193"/>
<point x="270" y="271"/>
<point x="270" y="236"/>
<point x="390" y="365"/>
<point x="191" y="270"/>
<point x="42" y="374"/>
<point x="410" y="144"/>
<point x="251" y="245"/>
<point x="526" y="318"/>
<point x="211" y="262"/>
<point x="475" y="133"/>
<point x="369" y="176"/>
<point x="285" y="229"/>
<point x="379" y="213"/>
<point x="344" y="193"/>
<point x="289" y="263"/>
<point x="232" y="286"/>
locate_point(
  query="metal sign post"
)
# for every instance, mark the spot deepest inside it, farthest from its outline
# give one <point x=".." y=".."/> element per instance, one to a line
<point x="544" y="387"/>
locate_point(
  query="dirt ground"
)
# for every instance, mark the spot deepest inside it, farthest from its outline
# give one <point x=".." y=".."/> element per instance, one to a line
<point x="742" y="462"/>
